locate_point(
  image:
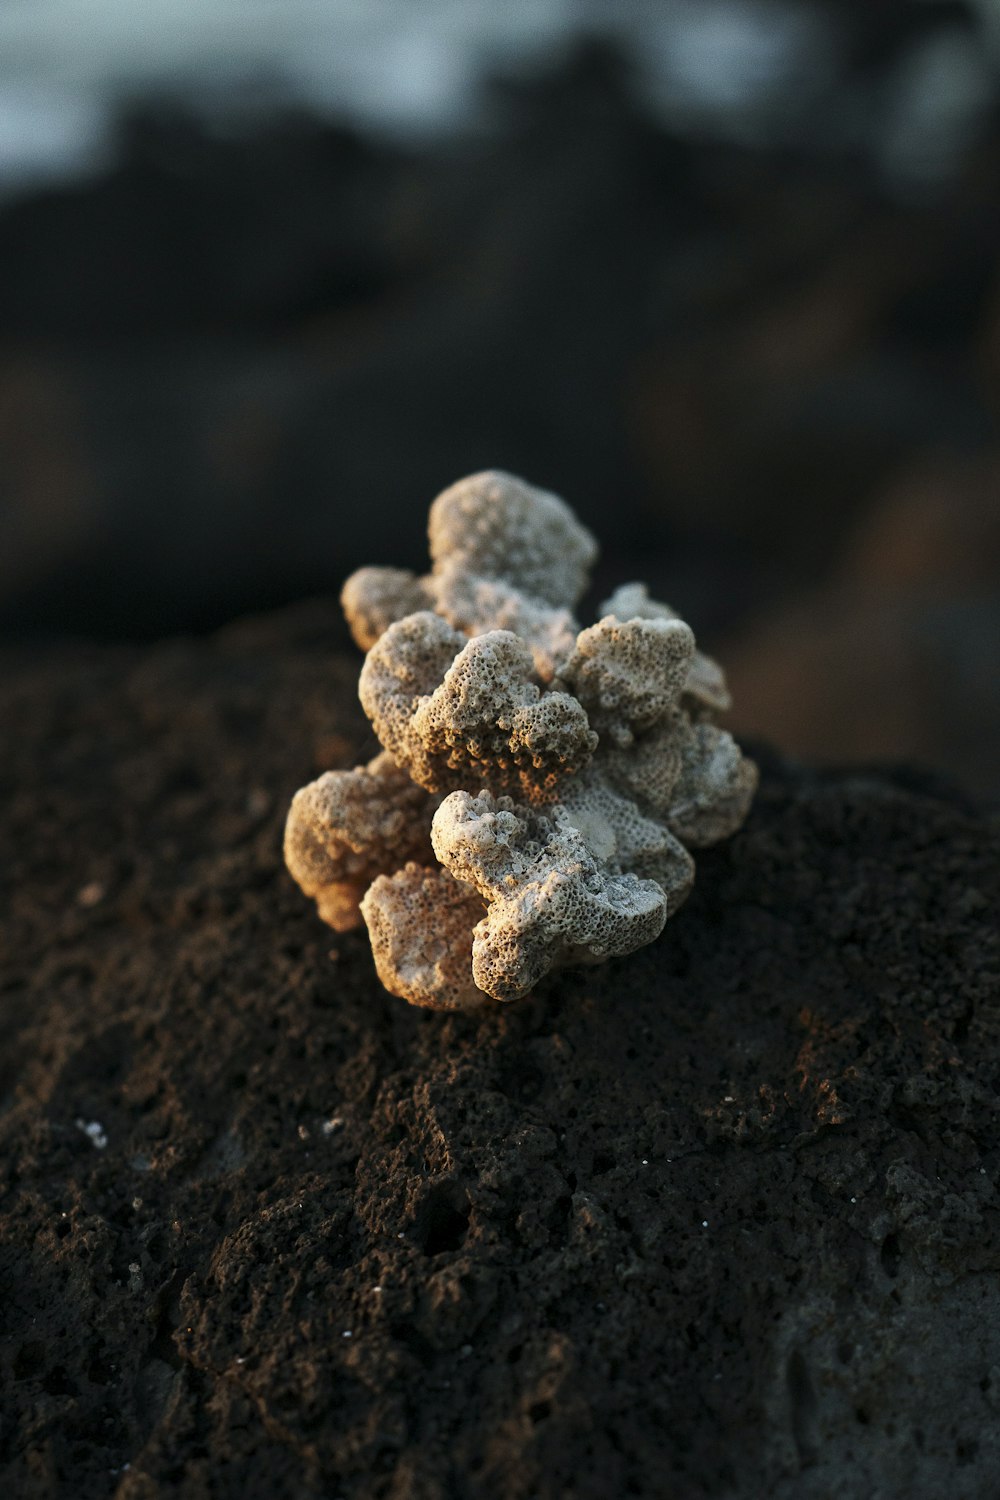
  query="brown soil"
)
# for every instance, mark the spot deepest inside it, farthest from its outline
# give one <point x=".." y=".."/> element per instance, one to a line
<point x="716" y="1220"/>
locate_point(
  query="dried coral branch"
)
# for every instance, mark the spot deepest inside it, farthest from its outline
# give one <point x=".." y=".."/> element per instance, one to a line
<point x="628" y="674"/>
<point x="577" y="766"/>
<point x="551" y="899"/>
<point x="420" y="922"/>
<point x="375" y="598"/>
<point x="713" y="793"/>
<point x="493" y="525"/>
<point x="347" y="826"/>
<point x="506" y="556"/>
<point x="453" y="710"/>
<point x="705" y="689"/>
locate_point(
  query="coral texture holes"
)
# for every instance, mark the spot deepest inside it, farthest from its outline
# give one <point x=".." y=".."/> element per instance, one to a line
<point x="540" y="786"/>
<point x="442" y="1220"/>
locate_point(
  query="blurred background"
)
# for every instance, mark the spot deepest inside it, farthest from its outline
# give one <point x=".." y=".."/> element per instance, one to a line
<point x="724" y="273"/>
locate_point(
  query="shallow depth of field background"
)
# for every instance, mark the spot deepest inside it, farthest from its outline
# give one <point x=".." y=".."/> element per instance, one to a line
<point x="724" y="273"/>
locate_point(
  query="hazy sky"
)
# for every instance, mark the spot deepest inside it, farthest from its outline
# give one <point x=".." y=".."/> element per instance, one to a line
<point x="404" y="64"/>
<point x="100" y="43"/>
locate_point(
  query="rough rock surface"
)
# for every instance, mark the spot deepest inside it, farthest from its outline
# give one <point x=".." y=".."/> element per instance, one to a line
<point x="720" y="1220"/>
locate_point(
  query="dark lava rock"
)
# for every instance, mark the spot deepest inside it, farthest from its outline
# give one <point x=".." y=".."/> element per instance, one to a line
<point x="716" y="1220"/>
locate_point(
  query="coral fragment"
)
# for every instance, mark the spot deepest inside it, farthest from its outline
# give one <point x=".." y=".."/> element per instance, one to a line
<point x="541" y="785"/>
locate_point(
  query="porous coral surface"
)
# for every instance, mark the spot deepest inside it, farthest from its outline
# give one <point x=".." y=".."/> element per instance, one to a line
<point x="482" y="688"/>
<point x="716" y="1220"/>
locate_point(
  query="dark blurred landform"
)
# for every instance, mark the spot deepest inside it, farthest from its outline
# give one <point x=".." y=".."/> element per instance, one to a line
<point x="717" y="1220"/>
<point x="235" y="367"/>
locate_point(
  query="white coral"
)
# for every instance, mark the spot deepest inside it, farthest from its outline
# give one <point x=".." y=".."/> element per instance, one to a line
<point x="705" y="689"/>
<point x="551" y="901"/>
<point x="347" y="826"/>
<point x="577" y="767"/>
<point x="420" y="923"/>
<point x="374" y="598"/>
<point x="628" y="674"/>
<point x="493" y="525"/>
<point x="452" y="710"/>
<point x="506" y="556"/>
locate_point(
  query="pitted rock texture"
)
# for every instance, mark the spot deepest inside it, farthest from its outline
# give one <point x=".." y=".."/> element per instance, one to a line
<point x="718" y="1221"/>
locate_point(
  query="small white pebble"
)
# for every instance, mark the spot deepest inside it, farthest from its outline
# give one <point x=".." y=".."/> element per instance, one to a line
<point x="376" y="1288"/>
<point x="346" y="1333"/>
<point x="303" y="1132"/>
<point x="95" y="1131"/>
<point x="335" y="1122"/>
<point x="728" y="1099"/>
<point x="704" y="1223"/>
<point x="241" y="1359"/>
<point x="854" y="1200"/>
